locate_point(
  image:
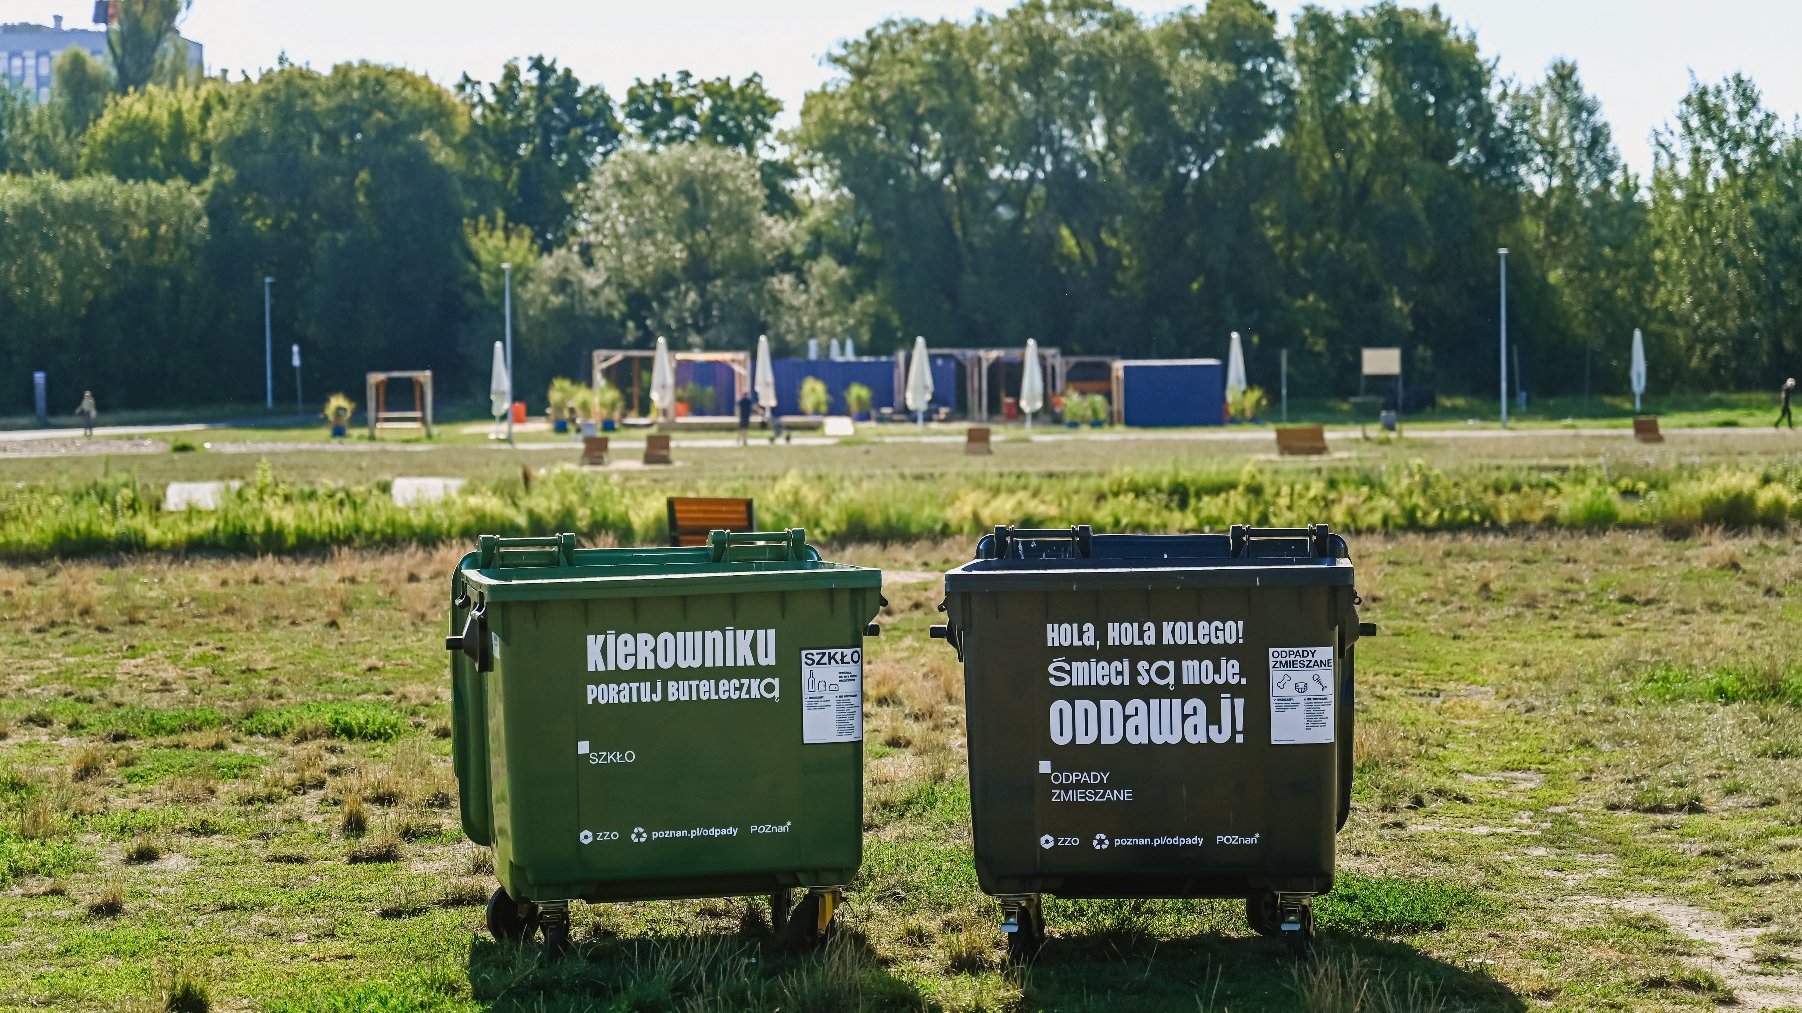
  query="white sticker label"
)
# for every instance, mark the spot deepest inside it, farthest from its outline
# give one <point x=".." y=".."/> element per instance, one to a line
<point x="1301" y="695"/>
<point x="832" y="695"/>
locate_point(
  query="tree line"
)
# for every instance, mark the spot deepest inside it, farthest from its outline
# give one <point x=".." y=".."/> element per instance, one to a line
<point x="1066" y="170"/>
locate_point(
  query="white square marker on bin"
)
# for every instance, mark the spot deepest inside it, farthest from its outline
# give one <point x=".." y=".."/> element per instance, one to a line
<point x="582" y="748"/>
<point x="1044" y="766"/>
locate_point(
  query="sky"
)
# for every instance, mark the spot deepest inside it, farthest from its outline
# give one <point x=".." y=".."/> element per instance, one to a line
<point x="1636" y="56"/>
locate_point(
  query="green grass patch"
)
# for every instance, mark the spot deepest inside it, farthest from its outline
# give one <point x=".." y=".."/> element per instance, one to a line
<point x="1775" y="682"/>
<point x="21" y="857"/>
<point x="153" y="723"/>
<point x="352" y="720"/>
<point x="1393" y="905"/>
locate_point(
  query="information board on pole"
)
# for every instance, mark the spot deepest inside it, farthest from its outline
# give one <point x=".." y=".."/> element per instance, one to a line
<point x="1382" y="362"/>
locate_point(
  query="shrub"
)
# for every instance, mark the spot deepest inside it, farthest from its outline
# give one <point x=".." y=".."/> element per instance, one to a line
<point x="338" y="409"/>
<point x="815" y="398"/>
<point x="858" y="399"/>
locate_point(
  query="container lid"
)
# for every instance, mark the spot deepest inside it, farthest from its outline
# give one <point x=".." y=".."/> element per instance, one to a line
<point x="1076" y="558"/>
<point x="553" y="568"/>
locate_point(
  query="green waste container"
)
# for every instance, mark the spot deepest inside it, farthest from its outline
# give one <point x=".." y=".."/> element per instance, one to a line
<point x="1157" y="716"/>
<point x="635" y="724"/>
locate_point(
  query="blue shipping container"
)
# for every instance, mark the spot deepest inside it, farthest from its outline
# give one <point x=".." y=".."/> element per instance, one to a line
<point x="878" y="374"/>
<point x="1173" y="392"/>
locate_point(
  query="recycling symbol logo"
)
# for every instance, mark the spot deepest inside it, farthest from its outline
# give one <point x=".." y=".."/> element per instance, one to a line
<point x="1047" y="841"/>
<point x="1100" y="842"/>
<point x="639" y="836"/>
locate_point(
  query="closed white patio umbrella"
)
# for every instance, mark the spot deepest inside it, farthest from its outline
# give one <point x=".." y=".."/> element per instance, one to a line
<point x="500" y="391"/>
<point x="1636" y="373"/>
<point x="663" y="381"/>
<point x="919" y="381"/>
<point x="1032" y="383"/>
<point x="763" y="376"/>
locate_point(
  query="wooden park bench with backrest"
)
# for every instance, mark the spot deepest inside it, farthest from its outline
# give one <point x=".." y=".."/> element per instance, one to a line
<point x="692" y="517"/>
<point x="977" y="442"/>
<point x="594" y="451"/>
<point x="656" y="449"/>
<point x="1645" y="429"/>
<point x="1301" y="440"/>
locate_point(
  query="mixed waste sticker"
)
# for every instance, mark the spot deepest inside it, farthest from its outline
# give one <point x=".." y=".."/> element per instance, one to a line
<point x="1301" y="695"/>
<point x="832" y="695"/>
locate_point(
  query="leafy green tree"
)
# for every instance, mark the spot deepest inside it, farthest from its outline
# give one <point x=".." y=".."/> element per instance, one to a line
<point x="1723" y="215"/>
<point x="144" y="40"/>
<point x="1585" y="227"/>
<point x="80" y="88"/>
<point x="666" y="111"/>
<point x="103" y="286"/>
<point x="157" y="133"/>
<point x="536" y="135"/>
<point x="1405" y="182"/>
<point x="674" y="242"/>
<point x="346" y="188"/>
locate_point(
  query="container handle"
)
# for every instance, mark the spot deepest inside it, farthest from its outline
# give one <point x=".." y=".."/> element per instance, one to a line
<point x="546" y="550"/>
<point x="998" y="545"/>
<point x="1320" y="539"/>
<point x="788" y="546"/>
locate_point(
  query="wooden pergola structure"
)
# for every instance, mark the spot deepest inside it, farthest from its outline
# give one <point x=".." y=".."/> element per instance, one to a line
<point x="381" y="417"/>
<point x="640" y="360"/>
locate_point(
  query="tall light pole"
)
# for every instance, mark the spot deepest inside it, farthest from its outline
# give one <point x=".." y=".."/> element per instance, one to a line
<point x="1503" y="253"/>
<point x="507" y="310"/>
<point x="268" y="354"/>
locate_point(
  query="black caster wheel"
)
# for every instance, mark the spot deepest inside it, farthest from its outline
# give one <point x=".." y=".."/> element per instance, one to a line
<point x="1028" y="936"/>
<point x="1265" y="916"/>
<point x="782" y="902"/>
<point x="810" y="921"/>
<point x="1301" y="943"/>
<point x="508" y="920"/>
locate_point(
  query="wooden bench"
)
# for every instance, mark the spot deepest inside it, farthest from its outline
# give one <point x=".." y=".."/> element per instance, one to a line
<point x="1645" y="429"/>
<point x="656" y="449"/>
<point x="594" y="451"/>
<point x="977" y="442"/>
<point x="692" y="517"/>
<point x="1301" y="440"/>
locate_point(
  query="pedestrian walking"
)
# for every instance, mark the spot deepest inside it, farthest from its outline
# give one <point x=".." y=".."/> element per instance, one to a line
<point x="777" y="430"/>
<point x="745" y="404"/>
<point x="87" y="411"/>
<point x="1783" y="414"/>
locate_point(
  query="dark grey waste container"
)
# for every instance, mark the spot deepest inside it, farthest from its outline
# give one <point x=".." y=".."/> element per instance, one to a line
<point x="1157" y="716"/>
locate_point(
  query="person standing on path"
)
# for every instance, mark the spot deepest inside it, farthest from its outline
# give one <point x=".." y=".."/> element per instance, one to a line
<point x="87" y="411"/>
<point x="744" y="419"/>
<point x="1783" y="414"/>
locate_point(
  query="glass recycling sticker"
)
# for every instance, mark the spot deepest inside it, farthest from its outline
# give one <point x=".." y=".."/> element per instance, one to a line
<point x="1301" y="695"/>
<point x="832" y="695"/>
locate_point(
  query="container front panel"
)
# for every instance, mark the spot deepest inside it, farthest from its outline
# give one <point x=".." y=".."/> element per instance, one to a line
<point x="1160" y="742"/>
<point x="699" y="739"/>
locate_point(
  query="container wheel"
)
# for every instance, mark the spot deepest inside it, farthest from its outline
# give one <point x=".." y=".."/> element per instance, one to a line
<point x="1301" y="943"/>
<point x="508" y="920"/>
<point x="1265" y="916"/>
<point x="811" y="919"/>
<point x="1027" y="936"/>
<point x="781" y="903"/>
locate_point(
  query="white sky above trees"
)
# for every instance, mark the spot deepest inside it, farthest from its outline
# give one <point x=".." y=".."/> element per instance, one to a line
<point x="1635" y="55"/>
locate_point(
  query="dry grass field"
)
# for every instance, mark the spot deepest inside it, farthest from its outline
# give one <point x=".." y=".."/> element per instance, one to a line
<point x="225" y="784"/>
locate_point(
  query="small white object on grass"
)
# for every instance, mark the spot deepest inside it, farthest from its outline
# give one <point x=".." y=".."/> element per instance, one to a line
<point x="409" y="491"/>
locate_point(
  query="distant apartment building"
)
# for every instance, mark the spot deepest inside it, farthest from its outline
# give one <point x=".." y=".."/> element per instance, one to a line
<point x="27" y="52"/>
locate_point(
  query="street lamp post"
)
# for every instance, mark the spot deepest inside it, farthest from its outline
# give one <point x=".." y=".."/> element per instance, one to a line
<point x="507" y="311"/>
<point x="268" y="353"/>
<point x="1503" y="253"/>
